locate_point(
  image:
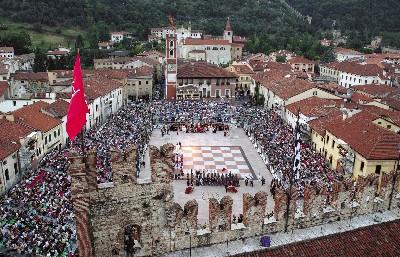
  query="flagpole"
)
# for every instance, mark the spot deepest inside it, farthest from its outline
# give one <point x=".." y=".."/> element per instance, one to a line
<point x="291" y="174"/>
<point x="82" y="131"/>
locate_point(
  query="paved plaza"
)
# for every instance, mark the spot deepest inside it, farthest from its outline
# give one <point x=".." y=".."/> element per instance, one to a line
<point x="223" y="159"/>
<point x="215" y="151"/>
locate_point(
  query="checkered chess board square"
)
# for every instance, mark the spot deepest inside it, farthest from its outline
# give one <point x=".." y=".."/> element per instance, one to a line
<point x="216" y="158"/>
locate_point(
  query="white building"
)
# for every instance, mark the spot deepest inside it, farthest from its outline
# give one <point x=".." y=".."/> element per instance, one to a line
<point x="17" y="146"/>
<point x="156" y="34"/>
<point x="349" y="74"/>
<point x="7" y="52"/>
<point x="118" y="36"/>
<point x="216" y="51"/>
<point x="344" y="54"/>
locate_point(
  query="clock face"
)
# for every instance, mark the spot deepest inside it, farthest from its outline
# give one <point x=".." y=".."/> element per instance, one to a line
<point x="171" y="67"/>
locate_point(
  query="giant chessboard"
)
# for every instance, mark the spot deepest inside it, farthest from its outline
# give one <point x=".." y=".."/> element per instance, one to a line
<point x="216" y="158"/>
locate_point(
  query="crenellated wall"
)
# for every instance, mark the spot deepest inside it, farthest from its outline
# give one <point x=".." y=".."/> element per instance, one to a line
<point x="127" y="215"/>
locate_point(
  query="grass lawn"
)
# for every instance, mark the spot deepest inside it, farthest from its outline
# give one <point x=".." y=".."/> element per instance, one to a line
<point x="47" y="37"/>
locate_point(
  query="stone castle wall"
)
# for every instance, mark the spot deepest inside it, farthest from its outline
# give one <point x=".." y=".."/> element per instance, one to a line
<point x="108" y="215"/>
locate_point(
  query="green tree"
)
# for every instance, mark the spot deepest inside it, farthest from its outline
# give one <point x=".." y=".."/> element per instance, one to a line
<point x="281" y="58"/>
<point x="40" y="62"/>
<point x="79" y="43"/>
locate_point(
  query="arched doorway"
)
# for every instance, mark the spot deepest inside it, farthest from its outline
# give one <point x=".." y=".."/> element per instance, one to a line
<point x="132" y="239"/>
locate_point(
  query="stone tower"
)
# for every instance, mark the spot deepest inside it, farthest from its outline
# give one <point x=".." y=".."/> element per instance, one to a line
<point x="171" y="66"/>
<point x="228" y="32"/>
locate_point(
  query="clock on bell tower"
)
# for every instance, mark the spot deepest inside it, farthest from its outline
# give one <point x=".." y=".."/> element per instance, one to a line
<point x="171" y="66"/>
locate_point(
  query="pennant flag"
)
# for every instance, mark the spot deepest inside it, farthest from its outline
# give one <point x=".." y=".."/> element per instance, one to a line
<point x="297" y="151"/>
<point x="76" y="118"/>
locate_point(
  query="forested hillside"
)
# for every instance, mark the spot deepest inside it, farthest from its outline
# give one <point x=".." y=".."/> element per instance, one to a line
<point x="248" y="16"/>
<point x="362" y="19"/>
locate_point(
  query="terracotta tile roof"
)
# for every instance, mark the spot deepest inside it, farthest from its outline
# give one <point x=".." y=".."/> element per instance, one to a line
<point x="63" y="73"/>
<point x="97" y="86"/>
<point x="263" y="66"/>
<point x="332" y="88"/>
<point x="360" y="98"/>
<point x="203" y="70"/>
<point x="242" y="69"/>
<point x="319" y="124"/>
<point x="111" y="74"/>
<point x="5" y="49"/>
<point x="313" y="107"/>
<point x="10" y="133"/>
<point x="300" y="59"/>
<point x="288" y="87"/>
<point x="381" y="240"/>
<point x="368" y="139"/>
<point x="31" y="76"/>
<point x="33" y="117"/>
<point x="3" y="87"/>
<point x="148" y="60"/>
<point x="141" y="72"/>
<point x="59" y="108"/>
<point x="196" y="41"/>
<point x="392" y="116"/>
<point x="356" y="68"/>
<point x="376" y="90"/>
<point x="239" y="40"/>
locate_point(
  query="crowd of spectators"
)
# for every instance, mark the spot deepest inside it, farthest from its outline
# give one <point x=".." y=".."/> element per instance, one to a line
<point x="36" y="216"/>
<point x="274" y="140"/>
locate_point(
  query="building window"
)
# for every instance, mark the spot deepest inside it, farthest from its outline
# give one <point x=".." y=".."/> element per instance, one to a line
<point x="378" y="169"/>
<point x="330" y="159"/>
<point x="333" y="143"/>
<point x="58" y="132"/>
<point x="315" y="93"/>
<point x="362" y="166"/>
<point x="45" y="140"/>
<point x="55" y="134"/>
<point x="49" y="138"/>
<point x="15" y="168"/>
<point x="6" y="175"/>
<point x="389" y="126"/>
<point x="327" y="139"/>
<point x="140" y="82"/>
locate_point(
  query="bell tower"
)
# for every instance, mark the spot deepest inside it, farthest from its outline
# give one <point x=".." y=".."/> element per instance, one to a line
<point x="171" y="63"/>
<point x="228" y="32"/>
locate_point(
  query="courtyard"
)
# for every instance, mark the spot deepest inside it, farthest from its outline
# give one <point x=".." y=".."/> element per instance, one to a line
<point x="214" y="151"/>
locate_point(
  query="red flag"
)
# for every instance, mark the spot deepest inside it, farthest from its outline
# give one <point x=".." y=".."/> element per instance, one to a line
<point x="76" y="118"/>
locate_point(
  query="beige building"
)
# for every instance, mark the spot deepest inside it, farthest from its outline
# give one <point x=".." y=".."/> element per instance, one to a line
<point x="301" y="64"/>
<point x="16" y="151"/>
<point x="356" y="144"/>
<point x="140" y="83"/>
<point x="50" y="128"/>
<point x="244" y="73"/>
<point x="7" y="52"/>
<point x="281" y="89"/>
<point x="201" y="79"/>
